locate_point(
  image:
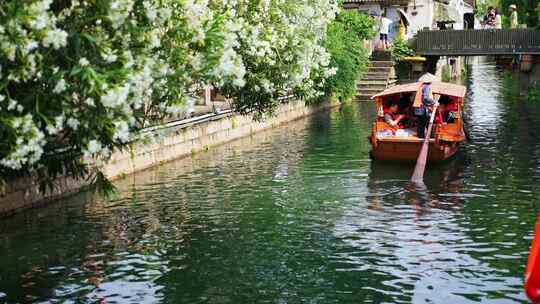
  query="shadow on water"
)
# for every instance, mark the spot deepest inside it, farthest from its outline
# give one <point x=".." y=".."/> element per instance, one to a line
<point x="445" y="179"/>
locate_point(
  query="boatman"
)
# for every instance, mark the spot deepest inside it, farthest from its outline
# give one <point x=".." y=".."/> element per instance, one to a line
<point x="423" y="112"/>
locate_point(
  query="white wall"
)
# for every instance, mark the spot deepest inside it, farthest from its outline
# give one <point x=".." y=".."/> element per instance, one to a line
<point x="370" y="9"/>
<point x="420" y="17"/>
<point x="427" y="11"/>
<point x="391" y="13"/>
<point x="421" y="13"/>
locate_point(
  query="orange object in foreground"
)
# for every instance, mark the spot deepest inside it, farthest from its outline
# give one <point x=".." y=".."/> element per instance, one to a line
<point x="532" y="273"/>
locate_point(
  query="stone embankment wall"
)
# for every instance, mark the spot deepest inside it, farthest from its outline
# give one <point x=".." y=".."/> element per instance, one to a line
<point x="171" y="141"/>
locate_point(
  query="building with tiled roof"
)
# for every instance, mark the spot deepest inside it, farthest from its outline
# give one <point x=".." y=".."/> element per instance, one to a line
<point x="417" y="14"/>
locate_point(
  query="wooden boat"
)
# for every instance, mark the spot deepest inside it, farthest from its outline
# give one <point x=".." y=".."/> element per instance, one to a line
<point x="391" y="144"/>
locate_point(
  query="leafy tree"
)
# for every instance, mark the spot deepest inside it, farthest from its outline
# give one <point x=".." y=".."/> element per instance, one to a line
<point x="482" y="7"/>
<point x="80" y="79"/>
<point x="400" y="49"/>
<point x="527" y="13"/>
<point x="534" y="94"/>
<point x="344" y="42"/>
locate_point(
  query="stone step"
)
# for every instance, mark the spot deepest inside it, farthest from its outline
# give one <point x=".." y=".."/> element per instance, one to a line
<point x="371" y="89"/>
<point x="377" y="77"/>
<point x="379" y="69"/>
<point x="363" y="97"/>
<point x="381" y="55"/>
<point x="382" y="64"/>
<point x="370" y="82"/>
<point x="370" y="92"/>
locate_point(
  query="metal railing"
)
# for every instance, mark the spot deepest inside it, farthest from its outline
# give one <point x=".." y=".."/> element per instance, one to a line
<point x="478" y="42"/>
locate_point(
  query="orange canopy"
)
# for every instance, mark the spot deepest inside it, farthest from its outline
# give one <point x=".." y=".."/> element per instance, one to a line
<point x="402" y="88"/>
<point x="450" y="89"/>
<point x="442" y="88"/>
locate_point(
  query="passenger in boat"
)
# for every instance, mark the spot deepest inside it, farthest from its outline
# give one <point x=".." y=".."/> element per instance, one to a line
<point x="423" y="111"/>
<point x="446" y="111"/>
<point x="404" y="102"/>
<point x="405" y="107"/>
<point x="392" y="117"/>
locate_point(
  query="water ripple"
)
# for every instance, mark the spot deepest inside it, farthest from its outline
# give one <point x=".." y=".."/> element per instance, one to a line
<point x="299" y="214"/>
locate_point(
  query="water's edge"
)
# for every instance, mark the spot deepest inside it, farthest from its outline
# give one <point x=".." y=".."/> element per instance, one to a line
<point x="173" y="141"/>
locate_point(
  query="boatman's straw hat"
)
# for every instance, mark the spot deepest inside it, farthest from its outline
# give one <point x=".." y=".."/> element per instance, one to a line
<point x="513" y="6"/>
<point x="428" y="78"/>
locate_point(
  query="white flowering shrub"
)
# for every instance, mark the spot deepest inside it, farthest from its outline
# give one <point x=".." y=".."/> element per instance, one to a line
<point x="280" y="47"/>
<point x="78" y="79"/>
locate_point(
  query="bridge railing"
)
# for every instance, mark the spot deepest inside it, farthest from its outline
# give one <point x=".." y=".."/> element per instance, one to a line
<point x="478" y="42"/>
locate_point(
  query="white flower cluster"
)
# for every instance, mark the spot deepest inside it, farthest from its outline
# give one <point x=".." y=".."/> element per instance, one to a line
<point x="95" y="72"/>
<point x="276" y="47"/>
<point x="28" y="146"/>
<point x="119" y="11"/>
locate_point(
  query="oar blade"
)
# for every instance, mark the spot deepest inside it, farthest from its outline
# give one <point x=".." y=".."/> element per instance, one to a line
<point x="418" y="174"/>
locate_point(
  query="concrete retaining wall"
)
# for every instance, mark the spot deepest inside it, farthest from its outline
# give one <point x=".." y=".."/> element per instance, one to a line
<point x="171" y="141"/>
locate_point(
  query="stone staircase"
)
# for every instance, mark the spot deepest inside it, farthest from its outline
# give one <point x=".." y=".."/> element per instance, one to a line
<point x="380" y="75"/>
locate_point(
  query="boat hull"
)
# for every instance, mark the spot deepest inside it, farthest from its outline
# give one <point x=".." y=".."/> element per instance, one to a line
<point x="409" y="150"/>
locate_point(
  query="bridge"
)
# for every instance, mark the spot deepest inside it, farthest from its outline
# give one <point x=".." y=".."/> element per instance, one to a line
<point x="487" y="42"/>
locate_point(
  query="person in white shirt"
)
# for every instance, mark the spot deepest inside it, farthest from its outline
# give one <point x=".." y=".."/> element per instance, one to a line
<point x="498" y="20"/>
<point x="383" y="31"/>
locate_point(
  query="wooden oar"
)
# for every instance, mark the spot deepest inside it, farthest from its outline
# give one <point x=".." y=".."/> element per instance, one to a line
<point x="418" y="175"/>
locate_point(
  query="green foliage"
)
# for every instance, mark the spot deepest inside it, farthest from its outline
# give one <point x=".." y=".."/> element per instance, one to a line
<point x="464" y="73"/>
<point x="80" y="79"/>
<point x="446" y="74"/>
<point x="359" y="24"/>
<point x="482" y="7"/>
<point x="534" y="94"/>
<point x="505" y="22"/>
<point x="280" y="45"/>
<point x="344" y="42"/>
<point x="527" y="13"/>
<point x="400" y="49"/>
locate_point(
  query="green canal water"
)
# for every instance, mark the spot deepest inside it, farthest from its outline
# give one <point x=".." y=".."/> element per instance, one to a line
<point x="299" y="214"/>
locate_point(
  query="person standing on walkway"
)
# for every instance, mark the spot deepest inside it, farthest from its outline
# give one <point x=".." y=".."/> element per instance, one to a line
<point x="498" y="20"/>
<point x="383" y="31"/>
<point x="402" y="30"/>
<point x="513" y="16"/>
<point x="489" y="19"/>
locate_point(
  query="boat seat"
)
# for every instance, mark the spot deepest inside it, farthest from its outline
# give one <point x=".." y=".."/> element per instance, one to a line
<point x="450" y="132"/>
<point x="382" y="125"/>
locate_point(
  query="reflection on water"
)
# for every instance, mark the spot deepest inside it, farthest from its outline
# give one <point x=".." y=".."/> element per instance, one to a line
<point x="299" y="215"/>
